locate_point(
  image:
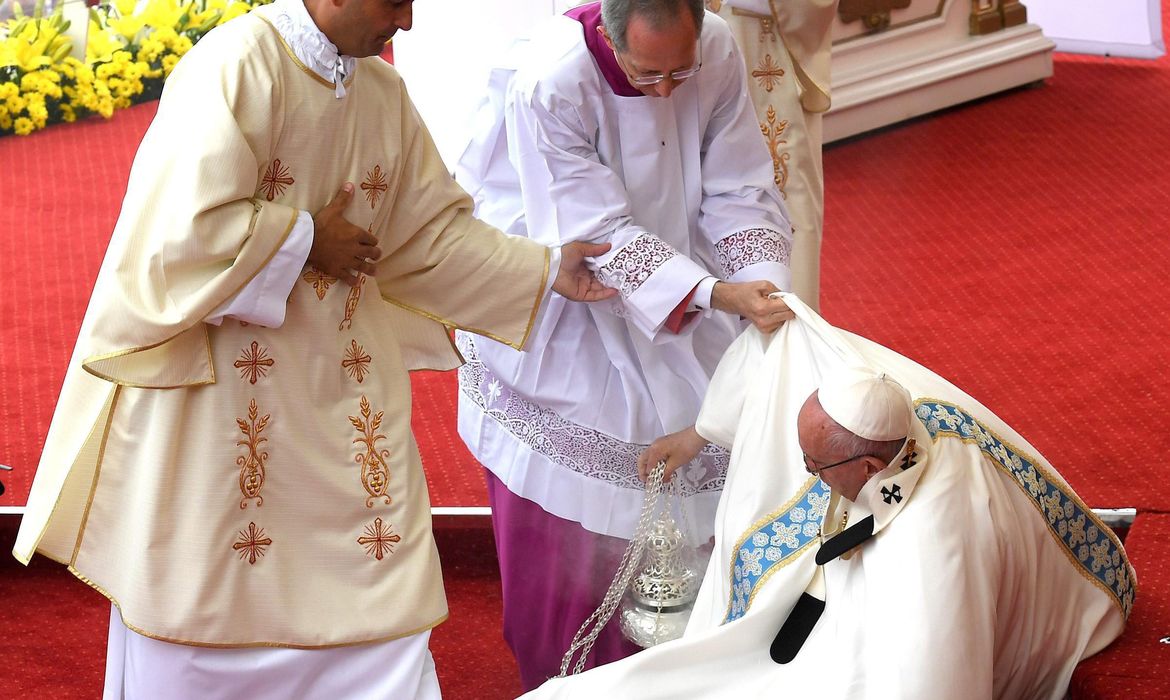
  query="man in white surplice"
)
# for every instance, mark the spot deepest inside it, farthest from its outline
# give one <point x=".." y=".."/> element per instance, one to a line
<point x="937" y="556"/>
<point x="628" y="123"/>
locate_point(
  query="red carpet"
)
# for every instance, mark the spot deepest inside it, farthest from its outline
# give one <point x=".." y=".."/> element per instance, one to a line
<point x="1138" y="664"/>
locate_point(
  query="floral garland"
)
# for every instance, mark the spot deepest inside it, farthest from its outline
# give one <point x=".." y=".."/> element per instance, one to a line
<point x="131" y="48"/>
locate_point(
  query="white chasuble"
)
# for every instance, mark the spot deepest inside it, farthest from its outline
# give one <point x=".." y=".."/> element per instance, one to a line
<point x="985" y="575"/>
<point x="237" y="485"/>
<point x="682" y="188"/>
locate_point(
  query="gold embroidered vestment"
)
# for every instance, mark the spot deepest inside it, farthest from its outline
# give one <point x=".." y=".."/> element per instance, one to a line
<point x="238" y="485"/>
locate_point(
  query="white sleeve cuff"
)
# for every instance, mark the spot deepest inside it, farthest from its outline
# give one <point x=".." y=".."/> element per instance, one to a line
<point x="264" y="299"/>
<point x="554" y="266"/>
<point x="702" y="298"/>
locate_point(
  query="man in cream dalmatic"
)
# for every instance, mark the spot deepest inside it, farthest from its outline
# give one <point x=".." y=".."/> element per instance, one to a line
<point x="231" y="460"/>
<point x="881" y="535"/>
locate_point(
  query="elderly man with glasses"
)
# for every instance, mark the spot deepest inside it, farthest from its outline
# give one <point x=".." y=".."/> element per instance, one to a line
<point x="627" y="122"/>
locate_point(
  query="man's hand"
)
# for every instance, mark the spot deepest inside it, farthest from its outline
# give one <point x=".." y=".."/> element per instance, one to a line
<point x="751" y="300"/>
<point x="575" y="281"/>
<point x="341" y="249"/>
<point x="675" y="449"/>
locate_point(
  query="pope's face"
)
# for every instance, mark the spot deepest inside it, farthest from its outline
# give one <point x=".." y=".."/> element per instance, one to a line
<point x="847" y="479"/>
<point x="362" y="27"/>
<point x="813" y="427"/>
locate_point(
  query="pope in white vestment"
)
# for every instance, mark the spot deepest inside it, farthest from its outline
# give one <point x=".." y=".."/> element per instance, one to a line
<point x="965" y="568"/>
<point x="682" y="186"/>
<point x="231" y="460"/>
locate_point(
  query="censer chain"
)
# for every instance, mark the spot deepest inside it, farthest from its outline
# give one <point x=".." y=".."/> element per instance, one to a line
<point x="587" y="634"/>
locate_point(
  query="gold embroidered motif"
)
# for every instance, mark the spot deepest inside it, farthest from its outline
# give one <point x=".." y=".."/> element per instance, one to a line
<point x="379" y="539"/>
<point x="351" y="302"/>
<point x="254" y="363"/>
<point x="773" y="131"/>
<point x="767" y="29"/>
<point x="375" y="471"/>
<point x="252" y="464"/>
<point x="356" y="362"/>
<point x="252" y="543"/>
<point x="768" y="73"/>
<point x="320" y="281"/>
<point x="374" y="185"/>
<point x="277" y="178"/>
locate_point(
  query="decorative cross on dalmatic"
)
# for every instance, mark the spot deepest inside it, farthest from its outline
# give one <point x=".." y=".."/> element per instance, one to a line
<point x="892" y="495"/>
<point x="252" y="543"/>
<point x="254" y="362"/>
<point x="378" y="539"/>
<point x="768" y="73"/>
<point x="356" y="362"/>
<point x="277" y="178"/>
<point x="374" y="185"/>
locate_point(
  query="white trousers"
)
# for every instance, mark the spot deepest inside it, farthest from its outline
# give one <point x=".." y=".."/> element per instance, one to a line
<point x="141" y="668"/>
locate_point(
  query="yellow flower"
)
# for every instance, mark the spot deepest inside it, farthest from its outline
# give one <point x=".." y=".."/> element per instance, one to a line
<point x="100" y="44"/>
<point x="22" y="126"/>
<point x="235" y="10"/>
<point x="34" y="42"/>
<point x="128" y="27"/>
<point x="5" y="122"/>
<point x="15" y="103"/>
<point x="182" y="44"/>
<point x="125" y="7"/>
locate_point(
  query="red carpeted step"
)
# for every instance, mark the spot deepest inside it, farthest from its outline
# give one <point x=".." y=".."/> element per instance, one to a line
<point x="453" y="476"/>
<point x="1137" y="665"/>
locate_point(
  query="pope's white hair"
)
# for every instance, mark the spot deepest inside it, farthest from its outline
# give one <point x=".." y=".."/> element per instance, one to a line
<point x="843" y="444"/>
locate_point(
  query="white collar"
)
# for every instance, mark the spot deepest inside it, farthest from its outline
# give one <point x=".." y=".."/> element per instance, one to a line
<point x="309" y="43"/>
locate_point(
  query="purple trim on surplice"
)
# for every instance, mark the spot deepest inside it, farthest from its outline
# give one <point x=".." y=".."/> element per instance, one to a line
<point x="590" y="18"/>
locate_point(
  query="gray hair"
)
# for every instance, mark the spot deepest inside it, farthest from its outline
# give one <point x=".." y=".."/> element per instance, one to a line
<point x="616" y="15"/>
<point x="839" y="441"/>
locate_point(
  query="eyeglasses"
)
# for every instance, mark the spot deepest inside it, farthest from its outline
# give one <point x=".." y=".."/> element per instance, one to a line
<point x="651" y="79"/>
<point x="811" y="467"/>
